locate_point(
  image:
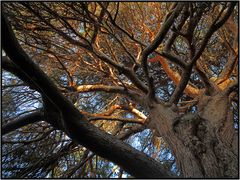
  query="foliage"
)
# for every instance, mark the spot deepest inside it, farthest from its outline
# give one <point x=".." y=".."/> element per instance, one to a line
<point x="94" y="53"/>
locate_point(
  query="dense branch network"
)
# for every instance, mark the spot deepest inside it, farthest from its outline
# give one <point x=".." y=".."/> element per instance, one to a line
<point x="98" y="66"/>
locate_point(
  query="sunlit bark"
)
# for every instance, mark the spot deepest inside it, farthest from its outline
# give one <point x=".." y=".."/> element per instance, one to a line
<point x="167" y="67"/>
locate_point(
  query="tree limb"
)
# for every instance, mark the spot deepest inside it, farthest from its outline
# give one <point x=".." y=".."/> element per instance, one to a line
<point x="213" y="28"/>
<point x="9" y="66"/>
<point x="110" y="118"/>
<point x="122" y="70"/>
<point x="108" y="89"/>
<point x="22" y="121"/>
<point x="175" y="77"/>
<point x="187" y="73"/>
<point x="158" y="40"/>
<point x="32" y="140"/>
<point x="76" y="124"/>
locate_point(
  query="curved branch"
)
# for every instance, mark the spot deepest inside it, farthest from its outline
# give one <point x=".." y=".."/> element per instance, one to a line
<point x="109" y="89"/>
<point x="135" y="111"/>
<point x="158" y="40"/>
<point x="227" y="84"/>
<point x="175" y="77"/>
<point x="32" y="140"/>
<point x="110" y="118"/>
<point x="75" y="123"/>
<point x="105" y="88"/>
<point x="174" y="59"/>
<point x="22" y="121"/>
<point x="122" y="70"/>
<point x="110" y="111"/>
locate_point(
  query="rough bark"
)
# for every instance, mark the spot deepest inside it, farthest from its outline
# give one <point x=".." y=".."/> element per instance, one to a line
<point x="205" y="143"/>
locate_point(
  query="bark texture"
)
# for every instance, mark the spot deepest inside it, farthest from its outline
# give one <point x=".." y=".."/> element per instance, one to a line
<point x="205" y="144"/>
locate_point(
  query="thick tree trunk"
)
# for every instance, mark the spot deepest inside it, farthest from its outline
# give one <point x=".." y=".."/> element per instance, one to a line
<point x="204" y="144"/>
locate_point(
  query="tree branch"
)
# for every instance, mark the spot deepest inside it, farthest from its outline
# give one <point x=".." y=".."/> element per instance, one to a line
<point x="173" y="58"/>
<point x="229" y="67"/>
<point x="110" y="118"/>
<point x="187" y="73"/>
<point x="175" y="77"/>
<point x="105" y="88"/>
<point x="180" y="87"/>
<point x="22" y="121"/>
<point x="32" y="140"/>
<point x="123" y="70"/>
<point x="213" y="28"/>
<point x="76" y="124"/>
<point x="174" y="35"/>
<point x="158" y="40"/>
<point x="9" y="66"/>
<point x="209" y="86"/>
<point x="58" y="31"/>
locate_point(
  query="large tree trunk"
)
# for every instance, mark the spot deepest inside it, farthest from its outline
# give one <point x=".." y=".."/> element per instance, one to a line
<point x="204" y="144"/>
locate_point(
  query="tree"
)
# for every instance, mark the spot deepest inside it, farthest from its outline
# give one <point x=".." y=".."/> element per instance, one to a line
<point x="101" y="72"/>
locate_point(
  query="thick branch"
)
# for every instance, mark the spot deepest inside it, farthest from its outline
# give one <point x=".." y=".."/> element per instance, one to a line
<point x="180" y="88"/>
<point x="22" y="121"/>
<point x="110" y="118"/>
<point x="76" y="124"/>
<point x="105" y="88"/>
<point x="9" y="66"/>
